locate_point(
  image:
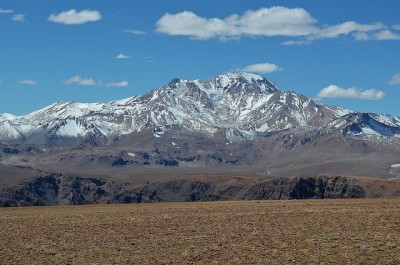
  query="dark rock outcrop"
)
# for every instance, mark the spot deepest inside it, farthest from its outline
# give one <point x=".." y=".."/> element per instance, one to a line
<point x="58" y="189"/>
<point x="306" y="188"/>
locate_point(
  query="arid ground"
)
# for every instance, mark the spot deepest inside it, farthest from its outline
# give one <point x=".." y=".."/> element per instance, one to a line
<point x="357" y="231"/>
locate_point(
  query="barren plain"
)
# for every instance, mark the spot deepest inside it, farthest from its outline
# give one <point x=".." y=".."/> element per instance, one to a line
<point x="345" y="231"/>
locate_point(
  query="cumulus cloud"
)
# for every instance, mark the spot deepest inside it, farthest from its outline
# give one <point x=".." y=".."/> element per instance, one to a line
<point x="267" y="22"/>
<point x="27" y="82"/>
<point x="73" y="17"/>
<point x="77" y="80"/>
<point x="334" y="91"/>
<point x="134" y="31"/>
<point x="5" y="11"/>
<point x="395" y="80"/>
<point x="274" y="21"/>
<point x="396" y="27"/>
<point x="261" y="68"/>
<point x="122" y="56"/>
<point x="18" y="18"/>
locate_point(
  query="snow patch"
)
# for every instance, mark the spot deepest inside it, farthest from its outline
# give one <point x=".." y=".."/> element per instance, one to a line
<point x="249" y="77"/>
<point x="340" y="111"/>
<point x="71" y="129"/>
<point x="7" y="131"/>
<point x="388" y="120"/>
<point x="7" y="116"/>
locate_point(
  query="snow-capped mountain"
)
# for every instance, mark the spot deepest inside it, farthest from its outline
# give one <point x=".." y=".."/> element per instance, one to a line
<point x="237" y="103"/>
<point x="367" y="126"/>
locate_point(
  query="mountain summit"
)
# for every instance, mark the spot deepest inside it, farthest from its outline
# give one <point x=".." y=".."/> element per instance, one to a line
<point x="239" y="104"/>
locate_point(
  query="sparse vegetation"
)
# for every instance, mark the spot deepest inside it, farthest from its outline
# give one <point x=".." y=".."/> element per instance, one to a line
<point x="360" y="231"/>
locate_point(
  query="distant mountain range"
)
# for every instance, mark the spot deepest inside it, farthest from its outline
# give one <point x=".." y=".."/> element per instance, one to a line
<point x="243" y="105"/>
<point x="237" y="124"/>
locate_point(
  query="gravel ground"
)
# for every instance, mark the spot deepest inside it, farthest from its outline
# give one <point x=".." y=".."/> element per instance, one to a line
<point x="361" y="231"/>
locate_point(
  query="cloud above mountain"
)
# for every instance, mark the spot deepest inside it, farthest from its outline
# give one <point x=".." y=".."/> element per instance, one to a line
<point x="73" y="17"/>
<point x="261" y="68"/>
<point x="18" y="18"/>
<point x="122" y="56"/>
<point x="28" y="82"/>
<point x="334" y="91"/>
<point x="77" y="80"/>
<point x="380" y="35"/>
<point x="6" y="11"/>
<point x="264" y="22"/>
<point x="395" y="80"/>
<point x="135" y="31"/>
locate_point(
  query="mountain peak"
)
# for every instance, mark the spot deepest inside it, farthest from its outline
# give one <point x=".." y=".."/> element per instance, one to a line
<point x="229" y="83"/>
<point x="249" y="77"/>
<point x="236" y="83"/>
<point x="249" y="82"/>
<point x="174" y="82"/>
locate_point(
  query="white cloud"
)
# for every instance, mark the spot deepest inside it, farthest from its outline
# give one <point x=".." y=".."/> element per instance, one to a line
<point x="73" y="17"/>
<point x="262" y="68"/>
<point x="379" y="35"/>
<point x="18" y="18"/>
<point x="277" y="21"/>
<point x="122" y="56"/>
<point x="267" y="22"/>
<point x="296" y="42"/>
<point x="333" y="91"/>
<point x="77" y="80"/>
<point x="134" y="31"/>
<point x="395" y="80"/>
<point x="396" y="27"/>
<point x="5" y="11"/>
<point x="80" y="81"/>
<point x="148" y="59"/>
<point x="274" y="21"/>
<point x="361" y="36"/>
<point x="386" y="35"/>
<point x="116" y="84"/>
<point x="27" y="82"/>
<point x="346" y="28"/>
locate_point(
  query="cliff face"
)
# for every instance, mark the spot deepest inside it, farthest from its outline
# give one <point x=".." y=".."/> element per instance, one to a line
<point x="58" y="189"/>
<point x="306" y="188"/>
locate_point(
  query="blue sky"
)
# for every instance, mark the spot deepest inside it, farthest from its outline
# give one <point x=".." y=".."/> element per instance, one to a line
<point x="344" y="53"/>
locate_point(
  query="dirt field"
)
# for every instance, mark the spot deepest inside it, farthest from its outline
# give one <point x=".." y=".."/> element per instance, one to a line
<point x="362" y="231"/>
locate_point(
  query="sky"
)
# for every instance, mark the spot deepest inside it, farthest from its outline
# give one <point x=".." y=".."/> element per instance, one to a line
<point x="344" y="53"/>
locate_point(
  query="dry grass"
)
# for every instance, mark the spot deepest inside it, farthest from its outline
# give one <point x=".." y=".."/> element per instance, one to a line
<point x="257" y="232"/>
